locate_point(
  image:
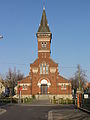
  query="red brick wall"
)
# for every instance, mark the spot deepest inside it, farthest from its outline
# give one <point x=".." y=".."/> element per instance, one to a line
<point x="54" y="78"/>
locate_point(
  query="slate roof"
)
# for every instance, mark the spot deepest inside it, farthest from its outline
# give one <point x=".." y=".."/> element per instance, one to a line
<point x="25" y="80"/>
<point x="62" y="79"/>
<point x="44" y="27"/>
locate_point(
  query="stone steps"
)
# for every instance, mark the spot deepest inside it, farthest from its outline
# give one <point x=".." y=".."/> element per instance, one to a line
<point x="43" y="97"/>
<point x="41" y="102"/>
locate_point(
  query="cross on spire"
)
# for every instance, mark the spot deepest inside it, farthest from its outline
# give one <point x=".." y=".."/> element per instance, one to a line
<point x="43" y="26"/>
<point x="44" y="4"/>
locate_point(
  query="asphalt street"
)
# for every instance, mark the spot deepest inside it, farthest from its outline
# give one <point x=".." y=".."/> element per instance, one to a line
<point x="19" y="112"/>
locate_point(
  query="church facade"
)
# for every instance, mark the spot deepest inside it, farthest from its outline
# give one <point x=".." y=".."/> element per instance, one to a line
<point x="44" y="78"/>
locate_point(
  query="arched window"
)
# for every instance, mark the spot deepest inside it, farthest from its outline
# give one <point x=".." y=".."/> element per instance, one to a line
<point x="63" y="86"/>
<point x="40" y="68"/>
<point x="44" y="68"/>
<point x="23" y="87"/>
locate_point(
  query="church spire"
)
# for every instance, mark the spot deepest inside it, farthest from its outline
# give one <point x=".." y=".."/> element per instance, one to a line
<point x="43" y="28"/>
<point x="43" y="4"/>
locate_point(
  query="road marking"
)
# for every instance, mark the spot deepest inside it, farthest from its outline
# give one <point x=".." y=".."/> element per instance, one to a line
<point x="50" y="115"/>
<point x="2" y="111"/>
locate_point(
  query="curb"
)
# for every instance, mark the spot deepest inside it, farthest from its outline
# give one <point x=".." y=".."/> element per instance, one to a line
<point x="50" y="115"/>
<point x="8" y="104"/>
<point x="2" y="111"/>
<point x="84" y="110"/>
<point x="36" y="105"/>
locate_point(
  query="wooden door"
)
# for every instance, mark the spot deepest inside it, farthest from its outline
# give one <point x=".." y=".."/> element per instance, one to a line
<point x="43" y="89"/>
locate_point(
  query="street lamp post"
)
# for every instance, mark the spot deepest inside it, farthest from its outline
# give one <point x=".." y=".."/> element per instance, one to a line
<point x="31" y="83"/>
<point x="20" y="89"/>
<point x="79" y="91"/>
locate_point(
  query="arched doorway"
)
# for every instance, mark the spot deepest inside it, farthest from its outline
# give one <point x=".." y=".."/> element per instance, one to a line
<point x="44" y="87"/>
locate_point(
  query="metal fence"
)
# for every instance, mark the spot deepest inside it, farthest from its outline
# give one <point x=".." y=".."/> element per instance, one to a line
<point x="85" y="101"/>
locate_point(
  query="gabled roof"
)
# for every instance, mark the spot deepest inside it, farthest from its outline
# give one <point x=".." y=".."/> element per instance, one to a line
<point x="25" y="80"/>
<point x="47" y="60"/>
<point x="44" y="24"/>
<point x="63" y="80"/>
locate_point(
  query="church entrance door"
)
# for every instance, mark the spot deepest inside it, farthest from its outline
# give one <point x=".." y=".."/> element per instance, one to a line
<point x="44" y="88"/>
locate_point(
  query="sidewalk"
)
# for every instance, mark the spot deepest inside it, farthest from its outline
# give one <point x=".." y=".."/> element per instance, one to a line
<point x="67" y="114"/>
<point x="3" y="108"/>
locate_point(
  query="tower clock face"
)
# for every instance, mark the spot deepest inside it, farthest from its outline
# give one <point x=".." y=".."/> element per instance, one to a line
<point x="44" y="44"/>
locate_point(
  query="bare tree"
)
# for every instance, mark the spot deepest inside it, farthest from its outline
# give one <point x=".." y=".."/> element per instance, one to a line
<point x="79" y="79"/>
<point x="11" y="79"/>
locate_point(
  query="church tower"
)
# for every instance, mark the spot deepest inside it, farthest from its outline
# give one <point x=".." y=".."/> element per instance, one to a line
<point x="44" y="78"/>
<point x="44" y="37"/>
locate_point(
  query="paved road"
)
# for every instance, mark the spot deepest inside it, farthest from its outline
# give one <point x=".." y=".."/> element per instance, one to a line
<point x="17" y="112"/>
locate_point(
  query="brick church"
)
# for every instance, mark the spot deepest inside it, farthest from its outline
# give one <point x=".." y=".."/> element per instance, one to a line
<point x="44" y="78"/>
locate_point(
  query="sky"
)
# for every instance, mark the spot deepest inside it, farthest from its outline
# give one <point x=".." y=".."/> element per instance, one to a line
<point x="69" y="22"/>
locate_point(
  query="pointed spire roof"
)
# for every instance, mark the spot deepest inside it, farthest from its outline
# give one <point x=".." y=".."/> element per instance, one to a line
<point x="44" y="27"/>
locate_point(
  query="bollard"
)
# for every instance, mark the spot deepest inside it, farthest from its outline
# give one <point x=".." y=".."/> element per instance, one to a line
<point x="79" y="98"/>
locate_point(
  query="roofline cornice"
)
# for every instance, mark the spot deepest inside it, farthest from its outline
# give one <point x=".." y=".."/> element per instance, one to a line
<point x="46" y="34"/>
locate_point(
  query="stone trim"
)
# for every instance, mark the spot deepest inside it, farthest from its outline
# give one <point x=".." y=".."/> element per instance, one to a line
<point x="63" y="88"/>
<point x="21" y="84"/>
<point x="59" y="84"/>
<point x="52" y="69"/>
<point x="48" y="81"/>
<point x="43" y="50"/>
<point x="34" y="70"/>
<point x="44" y="40"/>
<point x="45" y="34"/>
